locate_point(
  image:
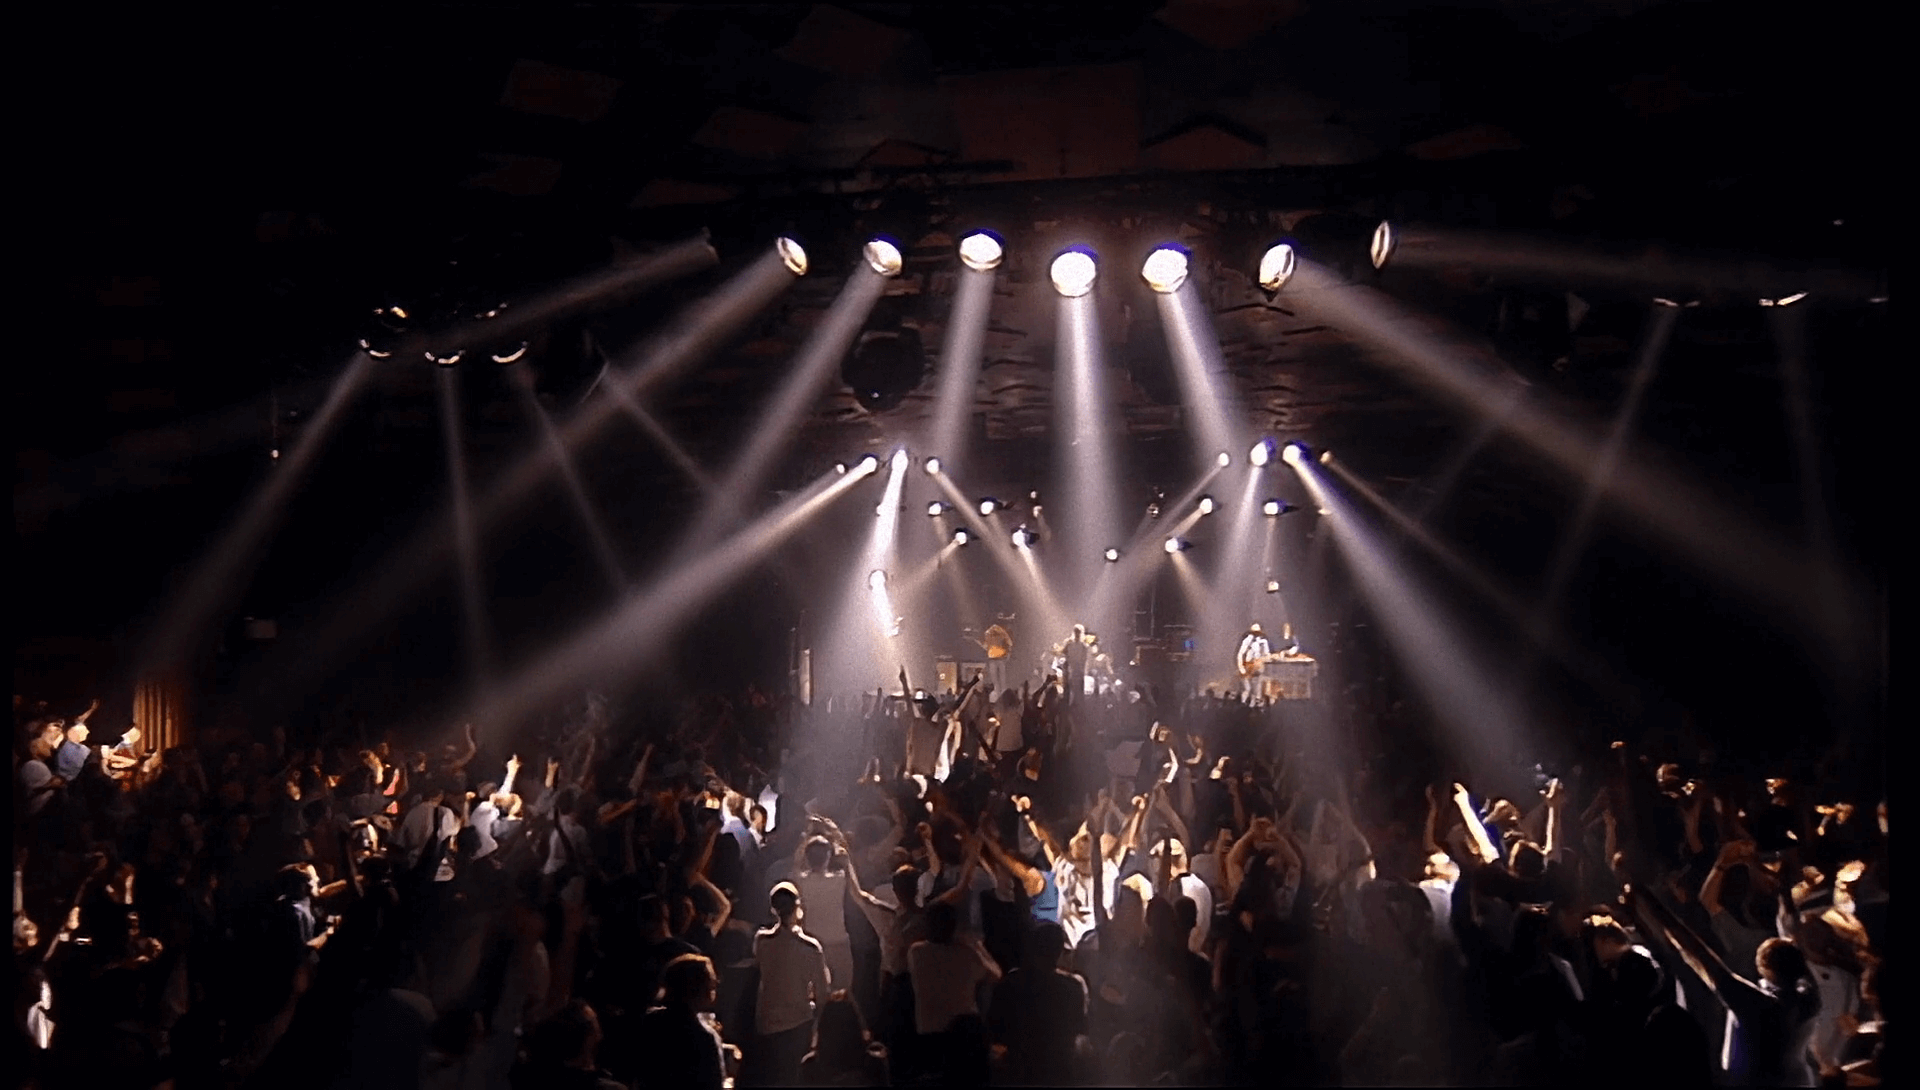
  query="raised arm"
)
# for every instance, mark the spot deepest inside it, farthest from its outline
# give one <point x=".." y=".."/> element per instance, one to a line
<point x="513" y="770"/>
<point x="466" y="754"/>
<point x="1482" y="844"/>
<point x="1430" y="833"/>
<point x="1733" y="990"/>
<point x="639" y="776"/>
<point x="1732" y="854"/>
<point x="1040" y="832"/>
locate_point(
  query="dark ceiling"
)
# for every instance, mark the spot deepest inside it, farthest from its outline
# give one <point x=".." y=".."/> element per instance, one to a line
<point x="235" y="192"/>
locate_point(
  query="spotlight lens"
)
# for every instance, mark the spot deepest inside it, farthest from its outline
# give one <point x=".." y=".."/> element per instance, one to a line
<point x="1020" y="538"/>
<point x="883" y="257"/>
<point x="1276" y="267"/>
<point x="792" y="255"/>
<point x="1224" y="460"/>
<point x="869" y="464"/>
<point x="1165" y="270"/>
<point x="981" y="251"/>
<point x="961" y="537"/>
<point x="1073" y="273"/>
<point x="1261" y="454"/>
<point x="935" y="508"/>
<point x="933" y="466"/>
<point x="1206" y="505"/>
<point x="511" y="357"/>
<point x="988" y="507"/>
<point x="1273" y="586"/>
<point x="1293" y="453"/>
<point x="1113" y="556"/>
<point x="1174" y="545"/>
<point x="1384" y="241"/>
<point x="839" y="467"/>
<point x="447" y="360"/>
<point x="1271" y="508"/>
<point x="1326" y="457"/>
<point x="900" y="460"/>
<point x="877" y="579"/>
<point x="1791" y="299"/>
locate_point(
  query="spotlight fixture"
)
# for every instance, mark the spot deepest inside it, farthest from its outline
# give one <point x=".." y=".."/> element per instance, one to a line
<point x="1023" y="538"/>
<point x="883" y="257"/>
<point x="792" y="255"/>
<point x="961" y="537"/>
<point x="1036" y="510"/>
<point x="840" y="467"/>
<point x="1326" y="457"/>
<point x="511" y="357"/>
<point x="376" y="353"/>
<point x="1688" y="305"/>
<point x="1153" y="510"/>
<point x="1273" y="586"/>
<point x="1271" y="508"/>
<point x="1206" y="505"/>
<point x="1073" y="273"/>
<point x="1384" y="242"/>
<point x="981" y="251"/>
<point x="936" y="509"/>
<point x="1224" y="460"/>
<point x="933" y="467"/>
<point x="1276" y="266"/>
<point x="1785" y="300"/>
<point x="1113" y="556"/>
<point x="447" y="360"/>
<point x="1175" y="544"/>
<point x="900" y="460"/>
<point x="869" y="464"/>
<point x="989" y="506"/>
<point x="877" y="580"/>
<point x="1165" y="269"/>
<point x="1262" y="453"/>
<point x="1295" y="453"/>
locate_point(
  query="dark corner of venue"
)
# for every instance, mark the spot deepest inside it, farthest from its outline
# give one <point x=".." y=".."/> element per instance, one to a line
<point x="618" y="545"/>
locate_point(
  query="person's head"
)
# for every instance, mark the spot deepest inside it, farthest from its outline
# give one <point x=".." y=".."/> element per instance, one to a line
<point x="785" y="902"/>
<point x="568" y="1039"/>
<point x="1781" y="963"/>
<point x="906" y="885"/>
<point x="839" y="1033"/>
<point x="1175" y="853"/>
<point x="77" y="733"/>
<point x="1441" y="867"/>
<point x="1163" y="924"/>
<point x="689" y="981"/>
<point x="819" y="854"/>
<point x="1610" y="941"/>
<point x="1526" y="860"/>
<point x="943" y="922"/>
<point x="757" y="818"/>
<point x="298" y="882"/>
<point x="1045" y="945"/>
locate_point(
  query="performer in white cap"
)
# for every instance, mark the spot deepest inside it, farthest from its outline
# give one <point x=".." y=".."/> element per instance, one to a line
<point x="1251" y="661"/>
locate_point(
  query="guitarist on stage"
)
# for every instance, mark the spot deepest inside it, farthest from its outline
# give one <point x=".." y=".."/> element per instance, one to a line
<point x="1252" y="660"/>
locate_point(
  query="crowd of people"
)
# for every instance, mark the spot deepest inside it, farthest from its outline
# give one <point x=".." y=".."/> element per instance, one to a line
<point x="1014" y="887"/>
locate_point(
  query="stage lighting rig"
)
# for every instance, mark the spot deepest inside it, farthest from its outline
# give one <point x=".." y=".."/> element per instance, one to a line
<point x="1276" y="266"/>
<point x="792" y="255"/>
<point x="1165" y="269"/>
<point x="883" y="257"/>
<point x="981" y="251"/>
<point x="1073" y="273"/>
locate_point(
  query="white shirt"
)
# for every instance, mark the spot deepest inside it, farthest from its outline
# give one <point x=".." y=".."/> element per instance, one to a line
<point x="1439" y="893"/>
<point x="1188" y="886"/>
<point x="793" y="973"/>
<point x="424" y="826"/>
<point x="1076" y="897"/>
<point x="482" y="819"/>
<point x="1254" y="647"/>
<point x="573" y="849"/>
<point x="946" y="982"/>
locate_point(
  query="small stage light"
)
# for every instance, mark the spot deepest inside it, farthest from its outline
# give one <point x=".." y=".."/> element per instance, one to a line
<point x="1294" y="453"/>
<point x="1165" y="270"/>
<point x="1262" y="453"/>
<point x="1175" y="544"/>
<point x="1023" y="538"/>
<point x="989" y="506"/>
<point x="961" y="537"/>
<point x="447" y="360"/>
<point x="1326" y="457"/>
<point x="511" y="357"/>
<point x="1224" y="460"/>
<point x="1206" y="505"/>
<point x="1276" y="266"/>
<point x="1688" y="305"/>
<point x="869" y="464"/>
<point x="1384" y="241"/>
<point x="792" y="255"/>
<point x="936" y="509"/>
<point x="1073" y="273"/>
<point x="1113" y="556"/>
<point x="1036" y="510"/>
<point x="981" y="251"/>
<point x="1153" y="510"/>
<point x="1271" y="509"/>
<point x="933" y="467"/>
<point x="883" y="257"/>
<point x="1784" y="301"/>
<point x="901" y="461"/>
<point x="840" y="467"/>
<point x="1273" y="586"/>
<point x="877" y="580"/>
<point x="376" y="353"/>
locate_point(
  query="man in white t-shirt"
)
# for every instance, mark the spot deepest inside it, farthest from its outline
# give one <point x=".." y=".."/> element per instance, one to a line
<point x="793" y="980"/>
<point x="823" y="890"/>
<point x="947" y="972"/>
